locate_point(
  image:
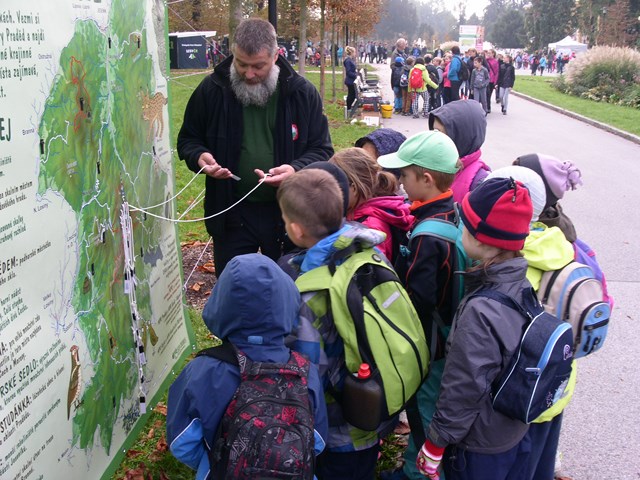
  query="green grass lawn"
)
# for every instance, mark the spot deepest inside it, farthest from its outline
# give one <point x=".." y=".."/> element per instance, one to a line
<point x="149" y="458"/>
<point x="624" y="118"/>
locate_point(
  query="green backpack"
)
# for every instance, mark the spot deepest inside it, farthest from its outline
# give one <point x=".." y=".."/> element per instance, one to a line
<point x="377" y="322"/>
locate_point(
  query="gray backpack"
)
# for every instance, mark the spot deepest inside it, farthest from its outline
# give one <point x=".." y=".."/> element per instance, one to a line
<point x="574" y="294"/>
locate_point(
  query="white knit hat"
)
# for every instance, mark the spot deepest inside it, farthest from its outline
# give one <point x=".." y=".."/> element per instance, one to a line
<point x="531" y="180"/>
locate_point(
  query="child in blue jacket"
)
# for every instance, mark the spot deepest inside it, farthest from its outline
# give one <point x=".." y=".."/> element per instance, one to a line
<point x="254" y="306"/>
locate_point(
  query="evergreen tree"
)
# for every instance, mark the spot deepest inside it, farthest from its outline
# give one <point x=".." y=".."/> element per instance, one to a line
<point x="548" y="21"/>
<point x="508" y="30"/>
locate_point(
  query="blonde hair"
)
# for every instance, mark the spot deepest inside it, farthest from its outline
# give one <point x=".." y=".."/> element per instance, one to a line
<point x="364" y="174"/>
<point x="313" y="199"/>
<point x="349" y="50"/>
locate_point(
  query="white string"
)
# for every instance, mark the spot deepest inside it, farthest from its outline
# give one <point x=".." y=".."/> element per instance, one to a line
<point x="172" y="198"/>
<point x="184" y="287"/>
<point x="191" y="220"/>
<point x="173" y="79"/>
<point x="193" y="203"/>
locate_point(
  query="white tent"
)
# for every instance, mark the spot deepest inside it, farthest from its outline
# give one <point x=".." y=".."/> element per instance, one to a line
<point x="567" y="43"/>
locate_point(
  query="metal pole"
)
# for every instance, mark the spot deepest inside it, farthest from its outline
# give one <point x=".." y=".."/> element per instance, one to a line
<point x="273" y="13"/>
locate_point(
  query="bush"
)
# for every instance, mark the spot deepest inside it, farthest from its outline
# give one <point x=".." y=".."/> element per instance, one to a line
<point x="446" y="46"/>
<point x="604" y="74"/>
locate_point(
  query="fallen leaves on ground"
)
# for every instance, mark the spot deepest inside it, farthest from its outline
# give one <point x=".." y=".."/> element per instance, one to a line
<point x="161" y="408"/>
<point x="134" y="453"/>
<point x="140" y="473"/>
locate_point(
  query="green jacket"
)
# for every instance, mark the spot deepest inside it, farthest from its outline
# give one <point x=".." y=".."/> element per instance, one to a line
<point x="425" y="77"/>
<point x="547" y="249"/>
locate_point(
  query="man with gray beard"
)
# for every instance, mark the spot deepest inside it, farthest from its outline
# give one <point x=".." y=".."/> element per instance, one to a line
<point x="253" y="115"/>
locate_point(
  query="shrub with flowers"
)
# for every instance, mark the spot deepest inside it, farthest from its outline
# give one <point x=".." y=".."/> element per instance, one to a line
<point x="446" y="46"/>
<point x="604" y="74"/>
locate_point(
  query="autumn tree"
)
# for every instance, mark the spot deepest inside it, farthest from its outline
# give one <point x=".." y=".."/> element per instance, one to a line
<point x="617" y="25"/>
<point x="589" y="19"/>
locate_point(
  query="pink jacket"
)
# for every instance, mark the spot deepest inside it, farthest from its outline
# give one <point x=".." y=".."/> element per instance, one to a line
<point x="446" y="82"/>
<point x="381" y="213"/>
<point x="473" y="171"/>
<point x="494" y="69"/>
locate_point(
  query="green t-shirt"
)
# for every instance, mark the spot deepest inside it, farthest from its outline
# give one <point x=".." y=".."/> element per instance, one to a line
<point x="257" y="150"/>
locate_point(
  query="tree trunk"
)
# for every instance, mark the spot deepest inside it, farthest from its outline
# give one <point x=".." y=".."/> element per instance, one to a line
<point x="334" y="41"/>
<point x="322" y="44"/>
<point x="235" y="16"/>
<point x="302" y="44"/>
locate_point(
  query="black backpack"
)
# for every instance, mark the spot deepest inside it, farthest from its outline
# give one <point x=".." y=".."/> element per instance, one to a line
<point x="433" y="75"/>
<point x="267" y="429"/>
<point x="463" y="73"/>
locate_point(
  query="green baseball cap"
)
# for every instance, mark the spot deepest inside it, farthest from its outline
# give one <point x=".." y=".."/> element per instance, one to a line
<point x="431" y="149"/>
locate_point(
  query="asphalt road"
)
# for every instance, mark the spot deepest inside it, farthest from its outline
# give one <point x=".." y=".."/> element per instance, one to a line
<point x="601" y="427"/>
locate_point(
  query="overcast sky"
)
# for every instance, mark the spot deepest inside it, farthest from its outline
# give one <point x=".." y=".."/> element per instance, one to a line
<point x="473" y="6"/>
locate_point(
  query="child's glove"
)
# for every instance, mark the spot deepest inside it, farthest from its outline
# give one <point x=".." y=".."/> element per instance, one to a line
<point x="428" y="461"/>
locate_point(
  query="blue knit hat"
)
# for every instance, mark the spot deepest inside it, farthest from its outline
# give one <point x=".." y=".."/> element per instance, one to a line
<point x="386" y="140"/>
<point x="399" y="60"/>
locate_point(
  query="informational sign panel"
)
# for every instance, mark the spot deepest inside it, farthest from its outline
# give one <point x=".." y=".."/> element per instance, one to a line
<point x="471" y="36"/>
<point x="188" y="52"/>
<point x="91" y="306"/>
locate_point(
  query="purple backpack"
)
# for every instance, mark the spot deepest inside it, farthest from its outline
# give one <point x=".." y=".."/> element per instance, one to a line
<point x="583" y="253"/>
<point x="267" y="429"/>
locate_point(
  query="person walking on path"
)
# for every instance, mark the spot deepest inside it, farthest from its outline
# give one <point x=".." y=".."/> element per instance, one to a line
<point x="507" y="80"/>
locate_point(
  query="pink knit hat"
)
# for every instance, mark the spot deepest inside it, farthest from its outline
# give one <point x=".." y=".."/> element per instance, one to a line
<point x="558" y="176"/>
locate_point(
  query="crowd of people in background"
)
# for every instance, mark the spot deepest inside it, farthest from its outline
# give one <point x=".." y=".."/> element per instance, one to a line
<point x="444" y="77"/>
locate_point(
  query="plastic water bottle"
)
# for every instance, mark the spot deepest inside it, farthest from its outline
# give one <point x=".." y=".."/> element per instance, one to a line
<point x="363" y="400"/>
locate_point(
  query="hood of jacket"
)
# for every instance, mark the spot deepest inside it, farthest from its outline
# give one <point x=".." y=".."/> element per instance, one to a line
<point x="465" y="122"/>
<point x="254" y="304"/>
<point x="510" y="271"/>
<point x="320" y="253"/>
<point x="545" y="249"/>
<point x="391" y="210"/>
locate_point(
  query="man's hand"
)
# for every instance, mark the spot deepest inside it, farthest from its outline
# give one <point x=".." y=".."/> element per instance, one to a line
<point x="278" y="174"/>
<point x="212" y="168"/>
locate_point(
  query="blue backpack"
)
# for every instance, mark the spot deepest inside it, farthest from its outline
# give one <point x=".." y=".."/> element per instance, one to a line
<point x="538" y="373"/>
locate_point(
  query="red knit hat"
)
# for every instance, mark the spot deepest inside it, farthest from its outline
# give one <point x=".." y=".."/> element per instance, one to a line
<point x="498" y="213"/>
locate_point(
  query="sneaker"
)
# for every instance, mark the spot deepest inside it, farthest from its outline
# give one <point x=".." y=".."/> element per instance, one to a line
<point x="504" y="112"/>
<point x="416" y="116"/>
<point x="397" y="474"/>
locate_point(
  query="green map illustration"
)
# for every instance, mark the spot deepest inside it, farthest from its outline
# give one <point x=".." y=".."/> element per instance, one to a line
<point x="97" y="150"/>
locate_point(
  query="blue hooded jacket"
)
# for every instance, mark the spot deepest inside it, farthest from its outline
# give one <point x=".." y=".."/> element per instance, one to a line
<point x="254" y="305"/>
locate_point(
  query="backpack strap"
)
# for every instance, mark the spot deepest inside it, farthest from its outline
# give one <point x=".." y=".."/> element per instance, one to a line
<point x="225" y="352"/>
<point x="529" y="308"/>
<point x="435" y="227"/>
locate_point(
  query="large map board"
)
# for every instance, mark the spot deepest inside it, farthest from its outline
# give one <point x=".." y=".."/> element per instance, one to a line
<point x="91" y="307"/>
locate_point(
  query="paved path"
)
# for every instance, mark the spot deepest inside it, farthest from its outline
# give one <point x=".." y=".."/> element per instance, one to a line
<point x="601" y="431"/>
